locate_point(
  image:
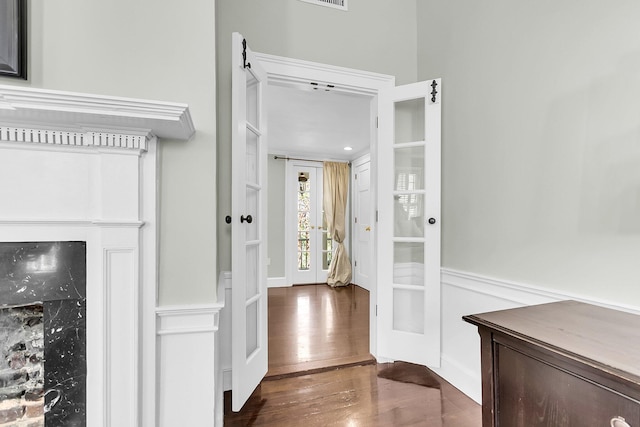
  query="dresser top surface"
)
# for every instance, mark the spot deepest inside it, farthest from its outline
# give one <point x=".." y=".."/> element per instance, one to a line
<point x="597" y="335"/>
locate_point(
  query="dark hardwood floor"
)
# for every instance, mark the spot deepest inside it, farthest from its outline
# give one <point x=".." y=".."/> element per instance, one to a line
<point x="315" y="327"/>
<point x="321" y="372"/>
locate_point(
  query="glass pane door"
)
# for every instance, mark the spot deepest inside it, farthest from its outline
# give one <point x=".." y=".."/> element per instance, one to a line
<point x="313" y="243"/>
<point x="408" y="216"/>
<point x="409" y="227"/>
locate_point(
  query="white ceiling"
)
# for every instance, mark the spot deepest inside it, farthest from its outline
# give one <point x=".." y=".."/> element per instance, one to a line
<point x="317" y="124"/>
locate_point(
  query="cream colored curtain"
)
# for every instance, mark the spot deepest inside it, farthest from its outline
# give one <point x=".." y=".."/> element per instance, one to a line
<point x="335" y="191"/>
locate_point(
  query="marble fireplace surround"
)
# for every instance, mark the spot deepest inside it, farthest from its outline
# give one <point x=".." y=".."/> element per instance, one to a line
<point x="79" y="167"/>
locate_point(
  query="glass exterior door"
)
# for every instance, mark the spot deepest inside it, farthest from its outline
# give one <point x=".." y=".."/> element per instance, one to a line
<point x="313" y="243"/>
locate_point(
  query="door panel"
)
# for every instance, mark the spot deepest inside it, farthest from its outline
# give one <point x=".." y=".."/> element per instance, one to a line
<point x="409" y="223"/>
<point x="363" y="226"/>
<point x="249" y="277"/>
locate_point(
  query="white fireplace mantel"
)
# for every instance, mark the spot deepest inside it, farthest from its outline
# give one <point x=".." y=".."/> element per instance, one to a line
<point x="83" y="167"/>
<point x="79" y="112"/>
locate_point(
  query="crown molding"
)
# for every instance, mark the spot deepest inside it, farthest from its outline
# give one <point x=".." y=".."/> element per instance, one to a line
<point x="41" y="109"/>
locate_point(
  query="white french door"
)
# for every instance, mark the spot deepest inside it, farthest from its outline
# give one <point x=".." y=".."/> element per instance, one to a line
<point x="311" y="242"/>
<point x="249" y="223"/>
<point x="409" y="223"/>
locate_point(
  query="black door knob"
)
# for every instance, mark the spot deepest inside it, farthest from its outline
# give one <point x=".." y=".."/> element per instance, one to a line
<point x="432" y="221"/>
<point x="247" y="218"/>
<point x="227" y="219"/>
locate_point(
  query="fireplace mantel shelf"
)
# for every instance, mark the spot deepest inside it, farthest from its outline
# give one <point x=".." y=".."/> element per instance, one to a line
<point x="77" y="112"/>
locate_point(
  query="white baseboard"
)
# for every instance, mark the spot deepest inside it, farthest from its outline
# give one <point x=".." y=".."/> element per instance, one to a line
<point x="462" y="377"/>
<point x="277" y="282"/>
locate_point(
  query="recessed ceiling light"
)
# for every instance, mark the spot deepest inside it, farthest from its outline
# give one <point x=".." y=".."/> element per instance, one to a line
<point x="348" y="148"/>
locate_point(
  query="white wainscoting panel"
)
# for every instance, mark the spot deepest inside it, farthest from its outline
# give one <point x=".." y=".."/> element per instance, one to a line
<point x="122" y="307"/>
<point x="189" y="384"/>
<point x="465" y="293"/>
<point x="224" y="287"/>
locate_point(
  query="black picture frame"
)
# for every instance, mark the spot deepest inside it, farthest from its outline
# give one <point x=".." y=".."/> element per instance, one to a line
<point x="13" y="38"/>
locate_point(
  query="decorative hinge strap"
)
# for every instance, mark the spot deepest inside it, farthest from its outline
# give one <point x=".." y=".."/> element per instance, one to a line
<point x="244" y="54"/>
<point x="434" y="92"/>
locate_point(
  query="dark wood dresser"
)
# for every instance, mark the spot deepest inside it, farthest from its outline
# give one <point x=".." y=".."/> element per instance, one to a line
<point x="560" y="364"/>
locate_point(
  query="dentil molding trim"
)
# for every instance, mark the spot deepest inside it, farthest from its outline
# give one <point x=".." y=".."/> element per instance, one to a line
<point x="75" y="139"/>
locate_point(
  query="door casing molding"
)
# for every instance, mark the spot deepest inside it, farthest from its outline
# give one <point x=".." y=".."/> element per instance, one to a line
<point x="293" y="72"/>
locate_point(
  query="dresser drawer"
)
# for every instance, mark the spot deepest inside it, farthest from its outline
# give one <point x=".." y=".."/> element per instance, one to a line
<point x="530" y="392"/>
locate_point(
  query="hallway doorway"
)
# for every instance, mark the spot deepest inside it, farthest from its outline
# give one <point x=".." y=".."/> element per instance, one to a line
<point x="311" y="121"/>
<point x="410" y="111"/>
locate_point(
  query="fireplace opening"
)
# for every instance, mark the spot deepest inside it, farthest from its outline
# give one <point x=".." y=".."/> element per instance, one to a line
<point x="43" y="366"/>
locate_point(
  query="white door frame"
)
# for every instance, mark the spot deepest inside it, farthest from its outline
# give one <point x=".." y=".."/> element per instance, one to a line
<point x="281" y="70"/>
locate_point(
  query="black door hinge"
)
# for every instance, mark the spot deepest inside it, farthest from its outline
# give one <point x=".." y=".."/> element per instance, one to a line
<point x="244" y="54"/>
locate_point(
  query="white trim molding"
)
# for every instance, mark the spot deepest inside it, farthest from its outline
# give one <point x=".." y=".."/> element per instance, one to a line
<point x="69" y="112"/>
<point x="289" y="71"/>
<point x="518" y="293"/>
<point x="294" y="72"/>
<point x="277" y="282"/>
<point x="132" y="140"/>
<point x="188" y="319"/>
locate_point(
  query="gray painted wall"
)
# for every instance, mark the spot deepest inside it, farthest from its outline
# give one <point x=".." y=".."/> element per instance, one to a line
<point x="152" y="49"/>
<point x="541" y="140"/>
<point x="541" y="182"/>
<point x="374" y="35"/>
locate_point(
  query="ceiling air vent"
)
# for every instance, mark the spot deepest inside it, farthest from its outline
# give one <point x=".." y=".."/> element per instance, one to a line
<point x="336" y="4"/>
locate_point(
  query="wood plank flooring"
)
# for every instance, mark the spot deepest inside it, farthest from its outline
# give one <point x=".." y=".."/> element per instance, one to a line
<point x="321" y="372"/>
<point x="315" y="327"/>
<point x="354" y="397"/>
